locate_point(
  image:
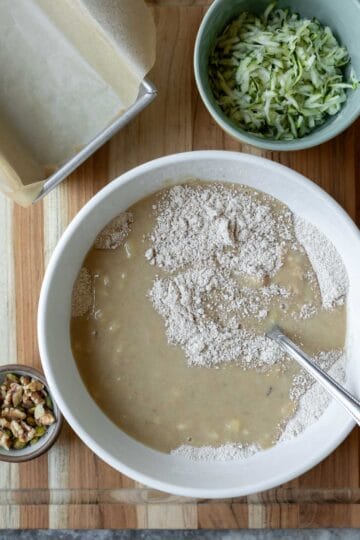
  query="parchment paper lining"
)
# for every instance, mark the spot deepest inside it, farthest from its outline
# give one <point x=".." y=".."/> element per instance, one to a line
<point x="68" y="69"/>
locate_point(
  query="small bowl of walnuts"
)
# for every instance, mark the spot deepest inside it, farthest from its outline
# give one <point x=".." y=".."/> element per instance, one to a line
<point x="30" y="421"/>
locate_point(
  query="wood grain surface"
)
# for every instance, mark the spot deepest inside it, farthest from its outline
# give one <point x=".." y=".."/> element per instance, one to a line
<point x="71" y="487"/>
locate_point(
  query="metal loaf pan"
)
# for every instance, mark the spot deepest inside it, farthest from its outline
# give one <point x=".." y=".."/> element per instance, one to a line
<point x="146" y="95"/>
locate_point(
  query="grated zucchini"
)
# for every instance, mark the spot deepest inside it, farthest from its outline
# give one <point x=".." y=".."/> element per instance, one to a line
<point x="279" y="76"/>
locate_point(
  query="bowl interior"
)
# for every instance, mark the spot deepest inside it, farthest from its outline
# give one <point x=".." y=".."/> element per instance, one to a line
<point x="342" y="18"/>
<point x="173" y="473"/>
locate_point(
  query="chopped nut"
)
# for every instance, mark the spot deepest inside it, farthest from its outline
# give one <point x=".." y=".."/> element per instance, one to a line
<point x="37" y="398"/>
<point x="22" y="431"/>
<point x="27" y="401"/>
<point x="17" y="396"/>
<point x="30" y="435"/>
<point x="39" y="411"/>
<point x="5" y="440"/>
<point x="7" y="399"/>
<point x="12" y="377"/>
<point x="4" y="423"/>
<point x="47" y="419"/>
<point x="35" y="385"/>
<point x="13" y="395"/>
<point x="29" y="432"/>
<point x="16" y="429"/>
<point x="25" y="426"/>
<point x="19" y="444"/>
<point x="13" y="414"/>
<point x="23" y="415"/>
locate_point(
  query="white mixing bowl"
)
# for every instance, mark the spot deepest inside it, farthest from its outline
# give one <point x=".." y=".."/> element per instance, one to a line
<point x="174" y="473"/>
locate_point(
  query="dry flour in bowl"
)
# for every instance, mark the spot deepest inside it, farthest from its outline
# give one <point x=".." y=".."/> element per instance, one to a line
<point x="180" y="309"/>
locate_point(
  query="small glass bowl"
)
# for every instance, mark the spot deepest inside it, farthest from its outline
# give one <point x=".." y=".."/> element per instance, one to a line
<point x="53" y="431"/>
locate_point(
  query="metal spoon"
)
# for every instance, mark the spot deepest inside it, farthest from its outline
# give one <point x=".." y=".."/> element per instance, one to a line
<point x="347" y="400"/>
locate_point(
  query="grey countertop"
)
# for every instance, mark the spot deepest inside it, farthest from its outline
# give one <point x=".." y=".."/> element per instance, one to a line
<point x="259" y="534"/>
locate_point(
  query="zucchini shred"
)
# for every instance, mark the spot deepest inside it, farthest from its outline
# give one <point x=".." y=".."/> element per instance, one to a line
<point x="279" y="76"/>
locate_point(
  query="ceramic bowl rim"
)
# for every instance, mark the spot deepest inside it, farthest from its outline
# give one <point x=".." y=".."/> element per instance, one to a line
<point x="88" y="438"/>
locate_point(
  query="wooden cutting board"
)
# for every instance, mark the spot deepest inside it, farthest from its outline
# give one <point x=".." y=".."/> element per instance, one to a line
<point x="71" y="487"/>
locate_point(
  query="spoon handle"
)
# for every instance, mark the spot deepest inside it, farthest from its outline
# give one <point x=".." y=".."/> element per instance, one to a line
<point x="349" y="402"/>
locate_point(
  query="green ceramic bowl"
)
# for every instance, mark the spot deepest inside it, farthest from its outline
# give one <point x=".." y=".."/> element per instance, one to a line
<point x="343" y="17"/>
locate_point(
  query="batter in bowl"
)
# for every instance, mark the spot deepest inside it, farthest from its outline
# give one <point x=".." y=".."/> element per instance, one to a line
<point x="171" y="308"/>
